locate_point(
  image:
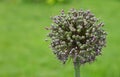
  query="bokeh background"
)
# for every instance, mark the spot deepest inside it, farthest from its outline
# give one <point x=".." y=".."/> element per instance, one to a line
<point x="24" y="53"/>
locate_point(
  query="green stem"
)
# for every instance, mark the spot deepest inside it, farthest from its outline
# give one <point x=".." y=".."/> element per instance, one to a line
<point x="77" y="68"/>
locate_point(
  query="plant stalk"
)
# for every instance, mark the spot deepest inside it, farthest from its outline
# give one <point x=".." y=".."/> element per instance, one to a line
<point x="77" y="68"/>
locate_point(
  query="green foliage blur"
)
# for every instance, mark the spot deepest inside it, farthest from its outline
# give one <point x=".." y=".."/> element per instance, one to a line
<point x="24" y="52"/>
<point x="50" y="2"/>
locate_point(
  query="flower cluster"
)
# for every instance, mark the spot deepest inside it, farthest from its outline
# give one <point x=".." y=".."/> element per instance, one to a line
<point x="77" y="34"/>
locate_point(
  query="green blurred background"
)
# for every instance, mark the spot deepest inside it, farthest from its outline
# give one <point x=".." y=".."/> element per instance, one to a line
<point x="24" y="53"/>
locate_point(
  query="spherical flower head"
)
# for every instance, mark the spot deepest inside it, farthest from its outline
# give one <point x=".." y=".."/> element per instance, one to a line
<point x="77" y="34"/>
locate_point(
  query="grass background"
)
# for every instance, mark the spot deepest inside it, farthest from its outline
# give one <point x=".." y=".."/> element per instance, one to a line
<point x="24" y="53"/>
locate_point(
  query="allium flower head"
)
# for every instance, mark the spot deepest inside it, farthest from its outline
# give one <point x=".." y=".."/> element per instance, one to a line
<point x="77" y="34"/>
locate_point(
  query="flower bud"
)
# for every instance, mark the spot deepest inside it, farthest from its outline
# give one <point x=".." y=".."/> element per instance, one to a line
<point x="77" y="34"/>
